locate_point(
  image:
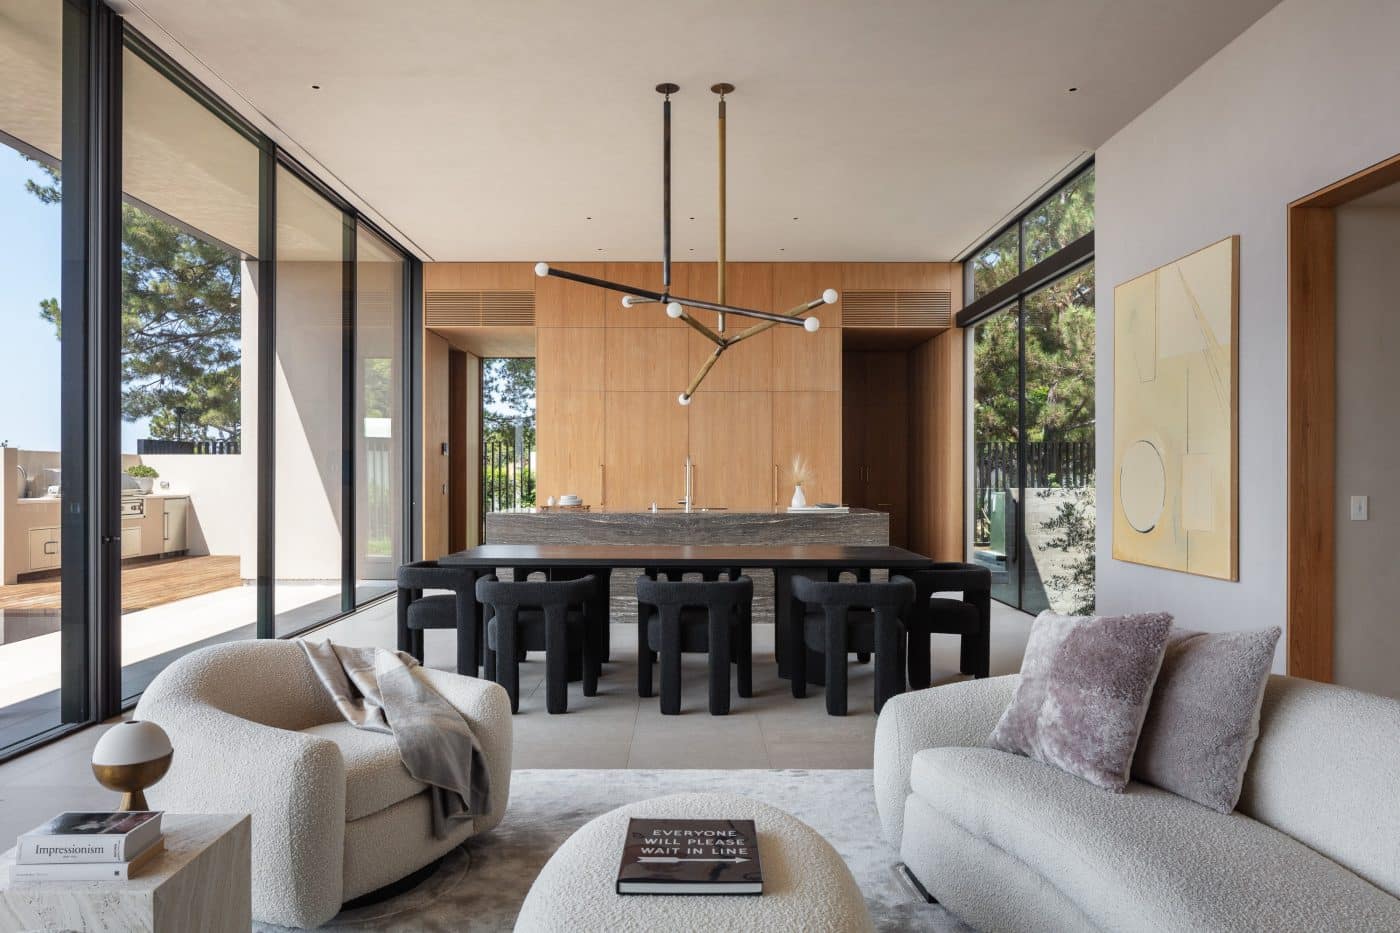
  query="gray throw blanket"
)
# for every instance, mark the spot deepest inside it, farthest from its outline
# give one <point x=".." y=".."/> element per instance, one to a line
<point x="376" y="689"/>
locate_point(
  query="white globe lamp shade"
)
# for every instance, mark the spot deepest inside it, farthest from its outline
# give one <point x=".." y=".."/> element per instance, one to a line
<point x="628" y="301"/>
<point x="674" y="309"/>
<point x="811" y="324"/>
<point x="683" y="399"/>
<point x="541" y="269"/>
<point x="830" y="296"/>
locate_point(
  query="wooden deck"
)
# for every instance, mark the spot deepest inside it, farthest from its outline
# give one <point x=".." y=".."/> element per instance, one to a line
<point x="144" y="583"/>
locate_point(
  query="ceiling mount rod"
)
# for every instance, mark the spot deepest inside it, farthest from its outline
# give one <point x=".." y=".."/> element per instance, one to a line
<point x="722" y="89"/>
<point x="667" y="89"/>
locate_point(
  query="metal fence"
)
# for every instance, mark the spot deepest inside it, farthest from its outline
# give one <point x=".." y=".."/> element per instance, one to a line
<point x="1055" y="463"/>
<point x="156" y="445"/>
<point x="507" y="464"/>
<point x="380" y="499"/>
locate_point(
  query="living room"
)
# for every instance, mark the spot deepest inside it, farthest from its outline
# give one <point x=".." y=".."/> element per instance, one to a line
<point x="594" y="460"/>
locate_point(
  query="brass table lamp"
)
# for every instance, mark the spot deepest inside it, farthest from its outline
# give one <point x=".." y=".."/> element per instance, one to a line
<point x="130" y="757"/>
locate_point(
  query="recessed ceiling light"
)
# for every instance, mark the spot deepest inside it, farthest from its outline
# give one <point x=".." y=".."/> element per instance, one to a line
<point x="692" y="218"/>
<point x="794" y="218"/>
<point x="1073" y="89"/>
<point x="588" y="218"/>
<point x="315" y="87"/>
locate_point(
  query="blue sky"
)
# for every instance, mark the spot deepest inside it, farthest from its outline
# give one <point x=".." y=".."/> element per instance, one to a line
<point x="29" y="351"/>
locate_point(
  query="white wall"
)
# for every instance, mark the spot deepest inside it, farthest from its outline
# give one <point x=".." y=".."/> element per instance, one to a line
<point x="222" y="490"/>
<point x="1368" y="447"/>
<point x="1307" y="95"/>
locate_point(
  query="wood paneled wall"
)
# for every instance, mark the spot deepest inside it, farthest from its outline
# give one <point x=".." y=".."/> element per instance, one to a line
<point x="609" y="426"/>
<point x="936" y="456"/>
<point x="436" y="391"/>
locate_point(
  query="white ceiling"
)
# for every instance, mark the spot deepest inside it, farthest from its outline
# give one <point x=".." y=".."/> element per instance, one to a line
<point x="894" y="130"/>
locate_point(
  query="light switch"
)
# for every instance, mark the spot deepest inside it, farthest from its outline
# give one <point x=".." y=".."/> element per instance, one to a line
<point x="1360" y="508"/>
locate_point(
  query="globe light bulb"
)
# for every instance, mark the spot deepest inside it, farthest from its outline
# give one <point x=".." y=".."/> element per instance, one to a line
<point x="628" y="301"/>
<point x="683" y="399"/>
<point x="830" y="296"/>
<point x="674" y="309"/>
<point x="811" y="324"/>
<point x="541" y="269"/>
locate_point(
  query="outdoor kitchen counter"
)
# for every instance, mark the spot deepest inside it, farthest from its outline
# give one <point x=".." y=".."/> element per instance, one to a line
<point x="858" y="526"/>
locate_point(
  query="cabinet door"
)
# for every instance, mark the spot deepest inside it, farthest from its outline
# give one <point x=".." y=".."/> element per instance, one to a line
<point x="644" y="450"/>
<point x="731" y="444"/>
<point x="561" y="303"/>
<point x="45" y="548"/>
<point x="569" y="454"/>
<point x="747" y="365"/>
<point x="803" y="360"/>
<point x="808" y="424"/>
<point x="131" y="539"/>
<point x="176" y="525"/>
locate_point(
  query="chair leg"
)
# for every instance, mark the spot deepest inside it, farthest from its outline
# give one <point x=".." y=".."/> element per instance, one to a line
<point x="507" y="659"/>
<point x="797" y="659"/>
<point x="488" y="665"/>
<point x="644" y="656"/>
<point x="556" y="659"/>
<point x="744" y="647"/>
<point x="670" y="660"/>
<point x="862" y="657"/>
<point x="592" y="665"/>
<point x="920" y="667"/>
<point x="405" y="597"/>
<point x="889" y="671"/>
<point x="835" y="660"/>
<point x="416" y="641"/>
<point x="719" y="646"/>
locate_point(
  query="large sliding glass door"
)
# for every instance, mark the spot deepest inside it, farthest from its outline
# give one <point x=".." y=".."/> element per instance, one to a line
<point x="1031" y="361"/>
<point x="164" y="289"/>
<point x="31" y="591"/>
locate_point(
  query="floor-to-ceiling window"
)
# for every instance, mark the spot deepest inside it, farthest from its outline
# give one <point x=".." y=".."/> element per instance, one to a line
<point x="140" y="516"/>
<point x="507" y="434"/>
<point x="310" y="442"/>
<point x="190" y="232"/>
<point x="380" y="276"/>
<point x="1031" y="361"/>
<point x="31" y="592"/>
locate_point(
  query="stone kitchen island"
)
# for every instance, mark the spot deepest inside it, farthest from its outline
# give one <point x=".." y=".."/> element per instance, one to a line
<point x="676" y="526"/>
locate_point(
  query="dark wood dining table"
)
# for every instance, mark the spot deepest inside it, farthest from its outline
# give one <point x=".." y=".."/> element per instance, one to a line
<point x="785" y="561"/>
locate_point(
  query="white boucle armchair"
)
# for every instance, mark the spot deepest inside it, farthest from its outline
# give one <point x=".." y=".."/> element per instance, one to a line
<point x="335" y="813"/>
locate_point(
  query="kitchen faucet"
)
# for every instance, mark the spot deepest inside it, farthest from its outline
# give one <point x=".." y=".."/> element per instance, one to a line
<point x="689" y="499"/>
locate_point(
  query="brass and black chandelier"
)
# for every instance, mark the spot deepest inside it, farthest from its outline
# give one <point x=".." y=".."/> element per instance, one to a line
<point x="678" y="306"/>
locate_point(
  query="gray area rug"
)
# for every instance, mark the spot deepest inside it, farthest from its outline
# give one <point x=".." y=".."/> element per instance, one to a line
<point x="481" y="886"/>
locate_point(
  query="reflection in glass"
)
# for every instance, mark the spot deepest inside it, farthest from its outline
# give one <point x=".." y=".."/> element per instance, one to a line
<point x="379" y="413"/>
<point x="189" y="317"/>
<point x="996" y="263"/>
<point x="1059" y="448"/>
<point x="31" y="597"/>
<point x="310" y="446"/>
<point x="996" y="451"/>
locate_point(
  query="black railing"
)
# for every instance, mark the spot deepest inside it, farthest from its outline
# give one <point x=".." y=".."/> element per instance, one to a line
<point x="156" y="445"/>
<point x="507" y="464"/>
<point x="1063" y="464"/>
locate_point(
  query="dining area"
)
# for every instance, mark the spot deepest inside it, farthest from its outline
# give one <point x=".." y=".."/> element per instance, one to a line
<point x="838" y="613"/>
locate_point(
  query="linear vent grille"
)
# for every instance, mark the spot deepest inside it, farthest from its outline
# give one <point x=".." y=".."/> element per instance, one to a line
<point x="479" y="308"/>
<point x="887" y="308"/>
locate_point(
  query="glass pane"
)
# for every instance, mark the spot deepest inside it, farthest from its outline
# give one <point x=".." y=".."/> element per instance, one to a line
<point x="508" y="434"/>
<point x="997" y="263"/>
<point x="379" y="414"/>
<point x="310" y="340"/>
<point x="189" y="311"/>
<point x="30" y="243"/>
<point x="1060" y="219"/>
<point x="995" y="430"/>
<point x="1059" y="449"/>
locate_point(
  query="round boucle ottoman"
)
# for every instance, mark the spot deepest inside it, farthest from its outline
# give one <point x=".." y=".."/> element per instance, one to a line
<point x="806" y="886"/>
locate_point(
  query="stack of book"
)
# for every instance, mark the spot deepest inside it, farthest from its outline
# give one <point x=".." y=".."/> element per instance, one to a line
<point x="89" y="847"/>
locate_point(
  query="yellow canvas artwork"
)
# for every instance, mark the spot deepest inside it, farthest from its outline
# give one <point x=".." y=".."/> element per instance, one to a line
<point x="1175" y="415"/>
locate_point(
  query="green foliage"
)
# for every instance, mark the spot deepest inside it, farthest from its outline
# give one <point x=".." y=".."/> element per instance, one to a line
<point x="508" y="386"/>
<point x="181" y="325"/>
<point x="508" y="390"/>
<point x="1072" y="529"/>
<point x="142" y="470"/>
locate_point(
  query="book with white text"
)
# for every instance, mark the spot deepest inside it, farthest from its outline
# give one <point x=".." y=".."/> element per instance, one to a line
<point x="81" y="837"/>
<point x="87" y="871"/>
<point x="690" y="857"/>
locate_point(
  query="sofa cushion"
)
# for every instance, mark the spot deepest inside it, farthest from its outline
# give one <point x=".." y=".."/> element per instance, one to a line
<point x="375" y="777"/>
<point x="1204" y="717"/>
<point x="1085" y="685"/>
<point x="1144" y="854"/>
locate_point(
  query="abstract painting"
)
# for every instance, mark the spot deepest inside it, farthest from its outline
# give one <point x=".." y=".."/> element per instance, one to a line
<point x="1175" y="415"/>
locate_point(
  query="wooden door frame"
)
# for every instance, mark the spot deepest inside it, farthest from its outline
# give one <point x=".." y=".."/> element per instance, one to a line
<point x="1312" y="416"/>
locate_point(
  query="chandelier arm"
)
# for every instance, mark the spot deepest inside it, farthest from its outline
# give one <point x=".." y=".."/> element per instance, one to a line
<point x="703" y="330"/>
<point x="796" y="314"/>
<point x="666" y="194"/>
<point x="704" y="371"/>
<point x="742" y="312"/>
<point x="604" y="283"/>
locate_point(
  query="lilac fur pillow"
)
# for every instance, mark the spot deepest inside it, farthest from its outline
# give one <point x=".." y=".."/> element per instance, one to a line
<point x="1085" y="685"/>
<point x="1204" y="717"/>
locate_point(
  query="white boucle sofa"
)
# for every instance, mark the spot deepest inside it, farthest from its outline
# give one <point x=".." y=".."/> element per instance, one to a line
<point x="1008" y="843"/>
<point x="335" y="813"/>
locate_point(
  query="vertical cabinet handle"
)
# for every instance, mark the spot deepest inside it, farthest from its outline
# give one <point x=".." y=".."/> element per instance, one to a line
<point x="602" y="484"/>
<point x="775" y="485"/>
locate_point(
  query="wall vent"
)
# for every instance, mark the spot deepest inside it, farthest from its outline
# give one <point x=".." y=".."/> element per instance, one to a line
<point x="888" y="308"/>
<point x="444" y="308"/>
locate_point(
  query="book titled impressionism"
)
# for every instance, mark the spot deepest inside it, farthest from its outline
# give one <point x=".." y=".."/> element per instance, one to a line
<point x="88" y="871"/>
<point x="89" y="837"/>
<point x="690" y="857"/>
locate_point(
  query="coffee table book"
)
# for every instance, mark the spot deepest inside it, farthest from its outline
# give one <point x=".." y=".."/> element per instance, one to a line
<point x="87" y="871"/>
<point x="76" y="837"/>
<point x="690" y="857"/>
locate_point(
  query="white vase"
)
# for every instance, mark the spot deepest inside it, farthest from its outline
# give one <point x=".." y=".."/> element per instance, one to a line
<point x="799" y="498"/>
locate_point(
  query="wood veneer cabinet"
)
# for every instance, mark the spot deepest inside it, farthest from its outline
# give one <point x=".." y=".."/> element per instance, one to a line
<point x="802" y="360"/>
<point x="731" y="444"/>
<point x="644" y="451"/>
<point x="809" y="424"/>
<point x="570" y="359"/>
<point x="570" y="457"/>
<point x="875" y="429"/>
<point x="561" y="303"/>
